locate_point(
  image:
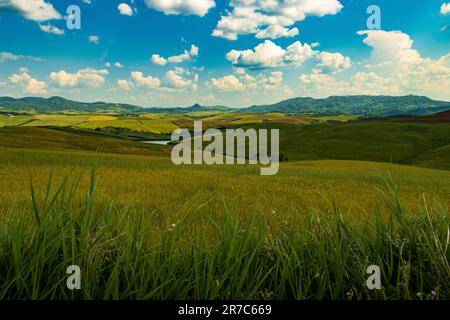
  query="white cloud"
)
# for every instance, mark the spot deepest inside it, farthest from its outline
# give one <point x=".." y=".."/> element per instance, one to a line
<point x="186" y="56"/>
<point x="28" y="83"/>
<point x="157" y="59"/>
<point x="269" y="18"/>
<point x="83" y="78"/>
<point x="94" y="39"/>
<point x="36" y="10"/>
<point x="277" y="31"/>
<point x="148" y="82"/>
<point x="393" y="46"/>
<point x="396" y="68"/>
<point x="118" y="65"/>
<point x="445" y="8"/>
<point x="332" y="62"/>
<point x="226" y="84"/>
<point x="125" y="84"/>
<point x="270" y="55"/>
<point x="266" y="82"/>
<point x="176" y="81"/>
<point x="125" y="9"/>
<point x="5" y="56"/>
<point x="49" y="28"/>
<point x="187" y="7"/>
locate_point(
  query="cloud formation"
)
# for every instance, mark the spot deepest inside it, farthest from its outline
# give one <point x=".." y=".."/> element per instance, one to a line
<point x="36" y="10"/>
<point x="269" y="18"/>
<point x="186" y="7"/>
<point x="395" y="68"/>
<point x="270" y="55"/>
<point x="28" y="83"/>
<point x="125" y="9"/>
<point x="49" y="28"/>
<point x="186" y="56"/>
<point x="445" y="8"/>
<point x="226" y="84"/>
<point x="83" y="78"/>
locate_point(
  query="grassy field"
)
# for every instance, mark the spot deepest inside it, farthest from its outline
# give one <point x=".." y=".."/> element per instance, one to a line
<point x="158" y="122"/>
<point x="421" y="144"/>
<point x="141" y="228"/>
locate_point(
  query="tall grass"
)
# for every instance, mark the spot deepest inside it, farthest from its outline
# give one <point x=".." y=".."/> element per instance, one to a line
<point x="123" y="254"/>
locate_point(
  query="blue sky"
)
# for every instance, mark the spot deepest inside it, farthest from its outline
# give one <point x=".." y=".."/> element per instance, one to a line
<point x="235" y="53"/>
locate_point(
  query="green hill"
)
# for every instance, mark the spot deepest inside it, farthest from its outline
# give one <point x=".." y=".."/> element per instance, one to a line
<point x="51" y="139"/>
<point x="332" y="106"/>
<point x="357" y="105"/>
<point x="423" y="144"/>
<point x="58" y="104"/>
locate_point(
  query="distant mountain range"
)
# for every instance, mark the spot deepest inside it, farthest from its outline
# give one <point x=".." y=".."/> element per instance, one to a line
<point x="335" y="105"/>
<point x="58" y="104"/>
<point x="357" y="105"/>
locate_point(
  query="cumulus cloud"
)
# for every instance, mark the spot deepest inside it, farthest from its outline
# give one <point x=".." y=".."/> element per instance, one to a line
<point x="445" y="8"/>
<point x="393" y="46"/>
<point x="157" y="59"/>
<point x="261" y="81"/>
<point x="28" y="83"/>
<point x="83" y="78"/>
<point x="148" y="82"/>
<point x="270" y="55"/>
<point x="332" y="62"/>
<point x="186" y="56"/>
<point x="226" y="84"/>
<point x="49" y="28"/>
<point x="36" y="10"/>
<point x="94" y="39"/>
<point x="125" y="84"/>
<point x="269" y="18"/>
<point x="186" y="7"/>
<point x="125" y="9"/>
<point x="277" y="31"/>
<point x="396" y="68"/>
<point x="176" y="81"/>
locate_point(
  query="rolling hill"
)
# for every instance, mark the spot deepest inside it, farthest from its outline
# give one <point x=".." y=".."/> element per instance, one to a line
<point x="58" y="140"/>
<point x="332" y="106"/>
<point x="58" y="104"/>
<point x="357" y="105"/>
<point x="410" y="143"/>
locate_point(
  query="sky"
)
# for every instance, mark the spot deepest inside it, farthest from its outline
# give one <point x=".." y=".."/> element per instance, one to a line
<point x="175" y="53"/>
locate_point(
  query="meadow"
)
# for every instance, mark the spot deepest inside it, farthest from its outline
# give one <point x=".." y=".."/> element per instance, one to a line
<point x="141" y="228"/>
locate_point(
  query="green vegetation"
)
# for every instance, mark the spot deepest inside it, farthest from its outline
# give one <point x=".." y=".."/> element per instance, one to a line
<point x="357" y="105"/>
<point x="141" y="228"/>
<point x="422" y="144"/>
<point x="48" y="139"/>
<point x="132" y="252"/>
<point x="332" y="106"/>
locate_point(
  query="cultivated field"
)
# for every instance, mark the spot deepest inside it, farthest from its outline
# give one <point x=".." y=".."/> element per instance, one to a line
<point x="141" y="227"/>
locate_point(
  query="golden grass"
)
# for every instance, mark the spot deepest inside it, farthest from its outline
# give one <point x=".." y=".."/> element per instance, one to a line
<point x="194" y="192"/>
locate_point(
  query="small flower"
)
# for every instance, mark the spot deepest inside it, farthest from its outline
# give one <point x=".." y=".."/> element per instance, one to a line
<point x="433" y="293"/>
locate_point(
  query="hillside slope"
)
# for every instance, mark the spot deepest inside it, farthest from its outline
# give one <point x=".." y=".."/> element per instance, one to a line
<point x="424" y="144"/>
<point x="357" y="105"/>
<point x="58" y="104"/>
<point x="50" y="139"/>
